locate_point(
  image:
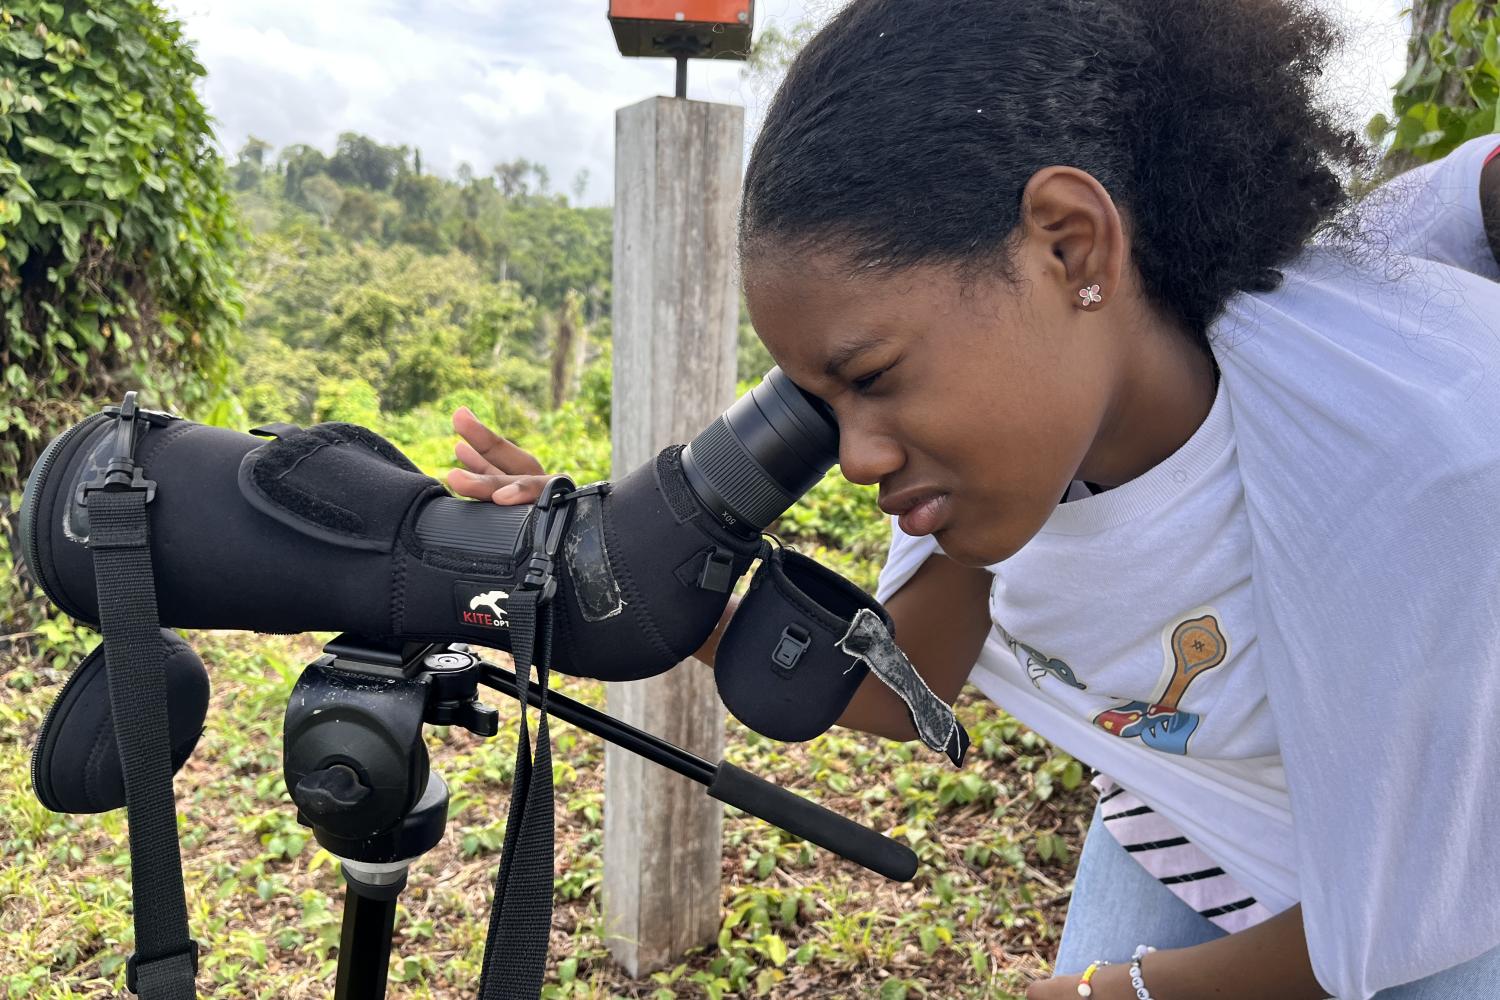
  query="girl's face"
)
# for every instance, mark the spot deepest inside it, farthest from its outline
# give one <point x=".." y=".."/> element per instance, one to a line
<point x="972" y="406"/>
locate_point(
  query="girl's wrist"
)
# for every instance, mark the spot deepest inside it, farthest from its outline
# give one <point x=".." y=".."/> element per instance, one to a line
<point x="1112" y="982"/>
<point x="1124" y="980"/>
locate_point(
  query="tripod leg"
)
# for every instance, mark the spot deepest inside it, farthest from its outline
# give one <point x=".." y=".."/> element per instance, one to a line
<point x="369" y="918"/>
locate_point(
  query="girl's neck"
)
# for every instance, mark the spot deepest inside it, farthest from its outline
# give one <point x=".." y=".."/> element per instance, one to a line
<point x="1165" y="392"/>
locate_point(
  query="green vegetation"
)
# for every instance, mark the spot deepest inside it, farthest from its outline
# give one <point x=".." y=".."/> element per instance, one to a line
<point x="117" y="239"/>
<point x="1451" y="91"/>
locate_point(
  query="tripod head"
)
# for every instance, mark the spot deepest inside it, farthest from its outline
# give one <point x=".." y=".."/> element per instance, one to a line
<point x="355" y="762"/>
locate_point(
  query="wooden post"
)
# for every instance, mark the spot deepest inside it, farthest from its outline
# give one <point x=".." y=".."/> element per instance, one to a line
<point x="676" y="310"/>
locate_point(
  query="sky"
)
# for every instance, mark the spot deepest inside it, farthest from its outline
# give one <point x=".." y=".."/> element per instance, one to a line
<point x="485" y="81"/>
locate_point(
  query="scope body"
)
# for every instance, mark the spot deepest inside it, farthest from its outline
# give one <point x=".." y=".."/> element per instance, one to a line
<point x="330" y="528"/>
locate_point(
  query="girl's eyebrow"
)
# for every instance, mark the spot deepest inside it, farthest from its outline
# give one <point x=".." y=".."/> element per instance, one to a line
<point x="849" y="350"/>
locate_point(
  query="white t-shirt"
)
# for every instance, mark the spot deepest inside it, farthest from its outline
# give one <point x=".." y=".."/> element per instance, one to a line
<point x="1228" y="635"/>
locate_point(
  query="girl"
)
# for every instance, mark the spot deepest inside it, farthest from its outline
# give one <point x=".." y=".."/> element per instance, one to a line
<point x="1192" y="469"/>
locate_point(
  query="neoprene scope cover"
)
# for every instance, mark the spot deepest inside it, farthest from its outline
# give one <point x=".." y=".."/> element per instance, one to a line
<point x="331" y="528"/>
<point x="779" y="668"/>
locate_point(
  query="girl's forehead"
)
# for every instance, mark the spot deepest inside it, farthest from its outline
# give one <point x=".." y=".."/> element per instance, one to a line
<point x="812" y="309"/>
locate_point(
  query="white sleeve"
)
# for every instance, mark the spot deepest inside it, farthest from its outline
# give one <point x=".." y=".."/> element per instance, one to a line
<point x="1433" y="211"/>
<point x="906" y="556"/>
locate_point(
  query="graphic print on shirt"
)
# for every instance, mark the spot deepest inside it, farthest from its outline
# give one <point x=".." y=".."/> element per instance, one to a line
<point x="1192" y="646"/>
<point x="1039" y="664"/>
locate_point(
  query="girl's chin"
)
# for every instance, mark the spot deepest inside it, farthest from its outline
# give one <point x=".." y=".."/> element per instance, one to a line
<point x="973" y="553"/>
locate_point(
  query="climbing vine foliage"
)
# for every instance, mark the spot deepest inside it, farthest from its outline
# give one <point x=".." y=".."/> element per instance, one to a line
<point x="1451" y="90"/>
<point x="117" y="232"/>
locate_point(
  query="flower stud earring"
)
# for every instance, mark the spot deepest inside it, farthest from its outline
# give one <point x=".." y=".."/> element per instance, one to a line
<point x="1090" y="295"/>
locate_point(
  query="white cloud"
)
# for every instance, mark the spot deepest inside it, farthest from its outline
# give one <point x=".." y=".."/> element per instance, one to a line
<point x="481" y="81"/>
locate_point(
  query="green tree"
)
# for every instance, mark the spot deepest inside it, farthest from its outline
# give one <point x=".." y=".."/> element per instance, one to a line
<point x="324" y="196"/>
<point x="772" y="53"/>
<point x="117" y="235"/>
<point x="298" y="163"/>
<point x="250" y="165"/>
<point x="1452" y="82"/>
<point x="362" y="161"/>
<point x="359" y="215"/>
<point x="424" y="206"/>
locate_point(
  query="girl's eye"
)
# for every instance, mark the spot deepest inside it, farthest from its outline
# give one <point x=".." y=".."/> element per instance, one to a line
<point x="863" y="385"/>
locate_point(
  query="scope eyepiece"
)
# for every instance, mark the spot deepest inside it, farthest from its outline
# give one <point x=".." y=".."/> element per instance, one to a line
<point x="767" y="450"/>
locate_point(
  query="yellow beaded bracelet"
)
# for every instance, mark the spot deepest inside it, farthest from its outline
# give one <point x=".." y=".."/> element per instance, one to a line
<point x="1084" y="989"/>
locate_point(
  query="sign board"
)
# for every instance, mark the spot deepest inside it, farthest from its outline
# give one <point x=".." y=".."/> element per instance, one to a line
<point x="698" y="29"/>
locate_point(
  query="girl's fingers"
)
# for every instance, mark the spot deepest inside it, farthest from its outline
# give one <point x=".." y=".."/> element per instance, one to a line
<point x="472" y="460"/>
<point x="469" y="484"/>
<point x="520" y="489"/>
<point x="498" y="451"/>
<point x="500" y="488"/>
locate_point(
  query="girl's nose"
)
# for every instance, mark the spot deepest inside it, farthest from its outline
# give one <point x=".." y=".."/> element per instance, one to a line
<point x="866" y="458"/>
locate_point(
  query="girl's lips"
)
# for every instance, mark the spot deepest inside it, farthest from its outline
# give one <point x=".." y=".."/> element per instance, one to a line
<point x="926" y="517"/>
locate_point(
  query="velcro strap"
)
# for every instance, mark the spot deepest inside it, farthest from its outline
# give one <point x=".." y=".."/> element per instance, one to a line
<point x="161" y="976"/>
<point x="338" y="483"/>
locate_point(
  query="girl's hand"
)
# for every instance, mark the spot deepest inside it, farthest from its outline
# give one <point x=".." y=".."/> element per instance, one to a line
<point x="494" y="468"/>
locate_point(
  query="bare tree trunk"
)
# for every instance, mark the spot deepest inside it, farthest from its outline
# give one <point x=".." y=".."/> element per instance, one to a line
<point x="563" y="351"/>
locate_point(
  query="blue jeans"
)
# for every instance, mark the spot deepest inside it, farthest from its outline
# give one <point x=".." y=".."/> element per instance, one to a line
<point x="1117" y="905"/>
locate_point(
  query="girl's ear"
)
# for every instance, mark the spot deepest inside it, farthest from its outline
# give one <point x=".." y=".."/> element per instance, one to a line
<point x="1069" y="220"/>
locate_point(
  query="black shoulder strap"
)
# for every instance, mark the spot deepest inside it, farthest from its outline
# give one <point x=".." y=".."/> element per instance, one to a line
<point x="515" y="951"/>
<point x="166" y="958"/>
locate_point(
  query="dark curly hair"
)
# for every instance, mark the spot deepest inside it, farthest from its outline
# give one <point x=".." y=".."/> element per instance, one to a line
<point x="906" y="130"/>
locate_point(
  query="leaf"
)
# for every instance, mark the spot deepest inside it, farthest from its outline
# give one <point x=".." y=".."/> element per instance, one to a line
<point x="1461" y="19"/>
<point x="788" y="912"/>
<point x="27" y="46"/>
<point x="775" y="949"/>
<point x="44" y="145"/>
<point x="736" y="915"/>
<point x="1072" y="775"/>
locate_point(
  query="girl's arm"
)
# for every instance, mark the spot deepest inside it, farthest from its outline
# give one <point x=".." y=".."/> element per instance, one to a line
<point x="1265" y="962"/>
<point x="1489" y="201"/>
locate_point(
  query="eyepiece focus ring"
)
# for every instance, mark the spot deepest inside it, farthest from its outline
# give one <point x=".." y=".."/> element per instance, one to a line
<point x="746" y="493"/>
